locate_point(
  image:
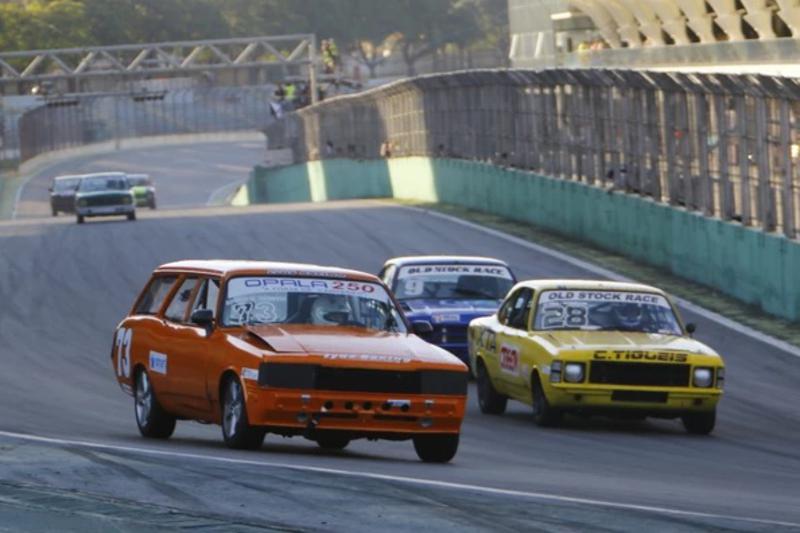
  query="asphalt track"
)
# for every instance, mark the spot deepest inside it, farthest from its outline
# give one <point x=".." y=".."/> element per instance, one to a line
<point x="71" y="457"/>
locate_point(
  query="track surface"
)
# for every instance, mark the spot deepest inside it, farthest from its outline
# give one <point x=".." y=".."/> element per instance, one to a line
<point x="64" y="287"/>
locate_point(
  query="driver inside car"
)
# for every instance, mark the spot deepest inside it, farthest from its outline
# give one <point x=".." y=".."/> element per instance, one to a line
<point x="331" y="310"/>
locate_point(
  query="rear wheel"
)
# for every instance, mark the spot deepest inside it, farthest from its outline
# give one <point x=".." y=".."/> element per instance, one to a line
<point x="132" y="216"/>
<point x="80" y="219"/>
<point x="152" y="203"/>
<point x="236" y="430"/>
<point x="700" y="423"/>
<point x="490" y="401"/>
<point x="436" y="448"/>
<point x="55" y="212"/>
<point x="332" y="441"/>
<point x="543" y="414"/>
<point x="153" y="421"/>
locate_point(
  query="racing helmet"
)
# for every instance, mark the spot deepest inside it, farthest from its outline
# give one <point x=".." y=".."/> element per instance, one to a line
<point x="629" y="315"/>
<point x="330" y="309"/>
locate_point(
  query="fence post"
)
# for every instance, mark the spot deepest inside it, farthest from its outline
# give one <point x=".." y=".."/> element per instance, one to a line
<point x="788" y="170"/>
<point x="765" y="211"/>
<point x="706" y="182"/>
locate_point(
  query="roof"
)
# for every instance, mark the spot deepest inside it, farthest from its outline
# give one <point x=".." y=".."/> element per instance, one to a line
<point x="574" y="284"/>
<point x="68" y="177"/>
<point x="226" y="267"/>
<point x="104" y="175"/>
<point x="444" y="259"/>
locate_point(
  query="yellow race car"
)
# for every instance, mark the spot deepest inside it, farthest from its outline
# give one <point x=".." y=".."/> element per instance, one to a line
<point x="594" y="347"/>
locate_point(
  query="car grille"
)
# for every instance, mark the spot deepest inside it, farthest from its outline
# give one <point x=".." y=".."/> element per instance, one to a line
<point x="316" y="377"/>
<point x="448" y="335"/>
<point x="103" y="201"/>
<point x="649" y="374"/>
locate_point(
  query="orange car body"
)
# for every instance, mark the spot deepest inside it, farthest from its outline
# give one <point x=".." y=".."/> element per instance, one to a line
<point x="296" y="378"/>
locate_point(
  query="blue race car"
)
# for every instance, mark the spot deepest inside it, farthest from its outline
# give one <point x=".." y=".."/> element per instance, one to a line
<point x="448" y="292"/>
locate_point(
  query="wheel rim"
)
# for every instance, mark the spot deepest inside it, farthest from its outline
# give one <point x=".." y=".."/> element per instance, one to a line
<point x="233" y="409"/>
<point x="144" y="399"/>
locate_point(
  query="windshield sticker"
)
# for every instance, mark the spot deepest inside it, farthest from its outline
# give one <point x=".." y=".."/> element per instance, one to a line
<point x="606" y="296"/>
<point x="476" y="270"/>
<point x="413" y="287"/>
<point x="248" y="286"/>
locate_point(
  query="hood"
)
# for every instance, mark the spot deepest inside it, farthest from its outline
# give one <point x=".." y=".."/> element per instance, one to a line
<point x="337" y="342"/>
<point x="620" y="340"/>
<point x="441" y="311"/>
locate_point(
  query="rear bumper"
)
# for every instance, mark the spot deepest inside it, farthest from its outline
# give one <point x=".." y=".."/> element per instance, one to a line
<point x="106" y="210"/>
<point x="362" y="414"/>
<point x="653" y="400"/>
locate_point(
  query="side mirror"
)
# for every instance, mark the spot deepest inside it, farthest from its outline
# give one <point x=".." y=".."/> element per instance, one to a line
<point x="421" y="327"/>
<point x="691" y="328"/>
<point x="203" y="317"/>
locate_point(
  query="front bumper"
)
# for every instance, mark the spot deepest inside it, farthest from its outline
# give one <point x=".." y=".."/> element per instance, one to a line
<point x="106" y="210"/>
<point x="613" y="398"/>
<point x="362" y="414"/>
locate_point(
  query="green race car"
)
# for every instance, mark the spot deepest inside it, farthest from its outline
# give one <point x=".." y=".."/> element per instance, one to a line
<point x="144" y="192"/>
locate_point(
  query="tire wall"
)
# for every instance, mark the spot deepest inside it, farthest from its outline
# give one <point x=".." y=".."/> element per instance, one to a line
<point x="755" y="267"/>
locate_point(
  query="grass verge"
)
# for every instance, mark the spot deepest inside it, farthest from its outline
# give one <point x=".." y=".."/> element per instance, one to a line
<point x="699" y="294"/>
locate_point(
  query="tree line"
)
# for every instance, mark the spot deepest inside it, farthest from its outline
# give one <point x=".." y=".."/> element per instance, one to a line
<point x="368" y="30"/>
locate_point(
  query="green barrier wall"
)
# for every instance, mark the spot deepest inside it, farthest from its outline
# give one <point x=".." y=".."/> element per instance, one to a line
<point x="757" y="268"/>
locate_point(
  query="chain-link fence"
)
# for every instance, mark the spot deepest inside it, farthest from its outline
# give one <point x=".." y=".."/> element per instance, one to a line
<point x="724" y="145"/>
<point x="80" y="120"/>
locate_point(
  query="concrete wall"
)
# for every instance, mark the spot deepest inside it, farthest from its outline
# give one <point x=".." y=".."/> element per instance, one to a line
<point x="757" y="268"/>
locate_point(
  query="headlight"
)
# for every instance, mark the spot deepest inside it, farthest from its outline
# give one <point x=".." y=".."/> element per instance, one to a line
<point x="83" y="202"/>
<point x="555" y="372"/>
<point x="703" y="377"/>
<point x="573" y="372"/>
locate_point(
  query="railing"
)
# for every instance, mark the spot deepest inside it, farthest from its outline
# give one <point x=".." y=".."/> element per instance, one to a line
<point x="725" y="146"/>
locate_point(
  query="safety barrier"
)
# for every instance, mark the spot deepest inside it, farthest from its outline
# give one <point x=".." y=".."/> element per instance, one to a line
<point x="746" y="263"/>
<point x="724" y="146"/>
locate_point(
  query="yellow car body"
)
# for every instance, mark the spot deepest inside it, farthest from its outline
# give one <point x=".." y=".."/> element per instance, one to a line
<point x="515" y="354"/>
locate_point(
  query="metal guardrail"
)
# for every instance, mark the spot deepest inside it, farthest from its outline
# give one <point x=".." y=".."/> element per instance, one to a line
<point x="723" y="145"/>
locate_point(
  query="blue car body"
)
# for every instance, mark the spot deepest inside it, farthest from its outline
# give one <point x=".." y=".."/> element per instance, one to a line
<point x="448" y="316"/>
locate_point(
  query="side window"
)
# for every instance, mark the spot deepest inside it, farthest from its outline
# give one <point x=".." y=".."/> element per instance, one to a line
<point x="507" y="308"/>
<point x="520" y="309"/>
<point x="154" y="296"/>
<point x="207" y="296"/>
<point x="179" y="306"/>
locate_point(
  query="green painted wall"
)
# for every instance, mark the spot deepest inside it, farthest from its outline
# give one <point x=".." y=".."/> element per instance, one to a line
<point x="757" y="268"/>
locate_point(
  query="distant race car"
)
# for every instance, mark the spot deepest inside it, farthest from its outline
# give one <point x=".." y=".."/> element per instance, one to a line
<point x="290" y="349"/>
<point x="143" y="189"/>
<point x="448" y="291"/>
<point x="594" y="347"/>
<point x="62" y="194"/>
<point x="104" y="194"/>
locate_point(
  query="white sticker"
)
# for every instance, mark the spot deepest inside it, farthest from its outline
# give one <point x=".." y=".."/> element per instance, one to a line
<point x="494" y="271"/>
<point x="646" y="298"/>
<point x="413" y="287"/>
<point x="367" y="357"/>
<point x="446" y="318"/>
<point x="158" y="362"/>
<point x="509" y="358"/>
<point x="250" y="374"/>
<point x="122" y="345"/>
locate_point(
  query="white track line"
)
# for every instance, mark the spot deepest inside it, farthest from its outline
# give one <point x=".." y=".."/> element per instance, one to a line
<point x="600" y="271"/>
<point x="401" y="479"/>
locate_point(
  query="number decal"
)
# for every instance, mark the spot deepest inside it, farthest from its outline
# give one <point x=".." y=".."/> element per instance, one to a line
<point x="560" y="316"/>
<point x="123" y="346"/>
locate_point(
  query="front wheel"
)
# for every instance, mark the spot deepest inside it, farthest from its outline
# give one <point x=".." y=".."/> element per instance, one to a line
<point x="490" y="401"/>
<point x="80" y="219"/>
<point x="699" y="423"/>
<point x="543" y="413"/>
<point x="236" y="430"/>
<point x="436" y="448"/>
<point x="153" y="421"/>
<point x="132" y="216"/>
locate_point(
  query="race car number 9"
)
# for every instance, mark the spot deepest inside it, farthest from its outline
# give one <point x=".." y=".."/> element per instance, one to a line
<point x="123" y="348"/>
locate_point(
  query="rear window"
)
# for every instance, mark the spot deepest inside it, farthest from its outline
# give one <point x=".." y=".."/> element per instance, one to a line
<point x="66" y="184"/>
<point x="153" y="298"/>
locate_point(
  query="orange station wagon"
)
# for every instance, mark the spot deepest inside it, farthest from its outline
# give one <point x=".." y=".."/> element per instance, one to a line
<point x="290" y="349"/>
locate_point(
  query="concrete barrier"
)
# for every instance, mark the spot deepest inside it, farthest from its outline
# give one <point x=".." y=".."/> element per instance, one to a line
<point x="758" y="268"/>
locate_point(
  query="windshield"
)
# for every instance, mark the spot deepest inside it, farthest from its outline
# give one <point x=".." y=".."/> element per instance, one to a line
<point x="605" y="311"/>
<point x="453" y="282"/>
<point x="66" y="184"/>
<point x="138" y="181"/>
<point x="316" y="301"/>
<point x="103" y="184"/>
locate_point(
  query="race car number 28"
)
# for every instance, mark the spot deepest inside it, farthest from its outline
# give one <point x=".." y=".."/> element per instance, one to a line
<point x="123" y="348"/>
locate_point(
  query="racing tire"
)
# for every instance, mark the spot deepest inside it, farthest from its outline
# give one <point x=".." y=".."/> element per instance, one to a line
<point x="153" y="421"/>
<point x="80" y="219"/>
<point x="332" y="441"/>
<point x="152" y="204"/>
<point x="544" y="415"/>
<point x="436" y="448"/>
<point x="55" y="212"/>
<point x="699" y="423"/>
<point x="237" y="432"/>
<point x="132" y="216"/>
<point x="490" y="401"/>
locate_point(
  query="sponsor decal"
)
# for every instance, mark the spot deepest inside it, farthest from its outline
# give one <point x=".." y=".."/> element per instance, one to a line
<point x="639" y="355"/>
<point x="282" y="285"/>
<point x="606" y="296"/>
<point x="158" y="362"/>
<point x="250" y="374"/>
<point x="438" y="319"/>
<point x="433" y="270"/>
<point x="366" y="357"/>
<point x="122" y="346"/>
<point x="509" y="358"/>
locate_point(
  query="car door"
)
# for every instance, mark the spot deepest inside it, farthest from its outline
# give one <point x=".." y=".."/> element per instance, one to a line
<point x="511" y="339"/>
<point x="185" y="353"/>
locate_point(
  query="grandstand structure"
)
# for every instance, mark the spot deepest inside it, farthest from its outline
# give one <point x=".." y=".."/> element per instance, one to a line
<point x="729" y="35"/>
